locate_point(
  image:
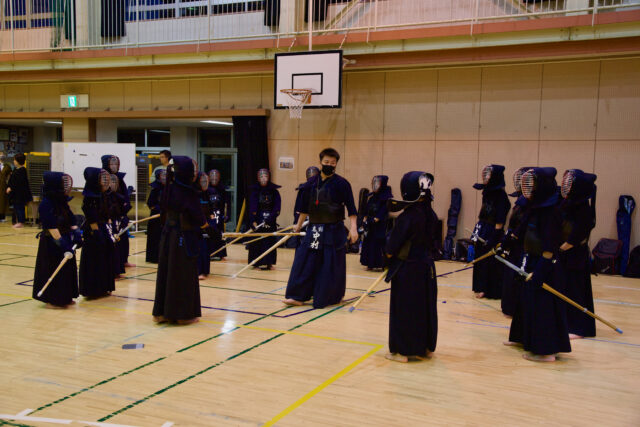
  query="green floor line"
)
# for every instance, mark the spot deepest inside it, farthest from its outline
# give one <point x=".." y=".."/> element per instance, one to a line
<point x="190" y="377"/>
<point x="15" y="302"/>
<point x="143" y="366"/>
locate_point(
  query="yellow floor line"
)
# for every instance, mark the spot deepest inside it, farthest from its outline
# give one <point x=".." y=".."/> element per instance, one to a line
<point x="321" y="387"/>
<point x="15" y="296"/>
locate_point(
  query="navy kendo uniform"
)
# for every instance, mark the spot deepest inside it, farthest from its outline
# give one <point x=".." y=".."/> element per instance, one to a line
<point x="319" y="268"/>
<point x="375" y="223"/>
<point x="219" y="202"/>
<point x="579" y="218"/>
<point x="264" y="207"/>
<point x="487" y="274"/>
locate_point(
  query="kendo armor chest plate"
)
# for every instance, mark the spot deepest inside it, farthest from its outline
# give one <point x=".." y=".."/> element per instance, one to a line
<point x="323" y="209"/>
<point x="532" y="238"/>
<point x="216" y="201"/>
<point x="488" y="212"/>
<point x="265" y="201"/>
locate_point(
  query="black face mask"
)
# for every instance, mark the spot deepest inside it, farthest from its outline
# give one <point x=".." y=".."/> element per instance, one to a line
<point x="328" y="170"/>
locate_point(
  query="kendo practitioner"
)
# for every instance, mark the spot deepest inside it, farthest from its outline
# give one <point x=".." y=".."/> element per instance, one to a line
<point x="154" y="226"/>
<point x="311" y="171"/>
<point x="540" y="324"/>
<point x="264" y="207"/>
<point x="59" y="233"/>
<point x="413" y="318"/>
<point x="487" y="274"/>
<point x="319" y="267"/>
<point x="579" y="218"/>
<point x="513" y="248"/>
<point x="374" y="223"/>
<point x="202" y="188"/>
<point x="220" y="203"/>
<point x="177" y="296"/>
<point x="111" y="163"/>
<point x="97" y="275"/>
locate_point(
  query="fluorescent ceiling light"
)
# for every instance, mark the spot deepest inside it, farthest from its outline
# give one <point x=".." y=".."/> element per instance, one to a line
<point x="215" y="122"/>
<point x="53" y="122"/>
<point x="159" y="131"/>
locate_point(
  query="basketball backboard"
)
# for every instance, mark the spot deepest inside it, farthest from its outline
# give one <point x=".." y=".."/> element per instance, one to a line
<point x="319" y="71"/>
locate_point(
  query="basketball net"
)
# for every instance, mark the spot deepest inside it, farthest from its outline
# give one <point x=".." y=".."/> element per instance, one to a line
<point x="295" y="101"/>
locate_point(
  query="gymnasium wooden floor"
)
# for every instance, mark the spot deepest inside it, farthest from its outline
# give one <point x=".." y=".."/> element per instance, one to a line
<point x="252" y="361"/>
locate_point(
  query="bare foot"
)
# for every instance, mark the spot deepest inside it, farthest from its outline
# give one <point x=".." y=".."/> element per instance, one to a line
<point x="129" y="265"/>
<point x="508" y="316"/>
<point x="55" y="307"/>
<point x="427" y="356"/>
<point x="18" y="225"/>
<point x="479" y="295"/>
<point x="118" y="278"/>
<point x="511" y="343"/>
<point x="202" y="277"/>
<point x="575" y="337"/>
<point x="539" y="357"/>
<point x="223" y="259"/>
<point x="187" y="321"/>
<point x="397" y="357"/>
<point x="292" y="302"/>
<point x="159" y="319"/>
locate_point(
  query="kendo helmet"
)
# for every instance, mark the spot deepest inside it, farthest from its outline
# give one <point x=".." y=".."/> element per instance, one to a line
<point x="203" y="181"/>
<point x="183" y="169"/>
<point x="214" y="177"/>
<point x="415" y="184"/>
<point x="67" y="184"/>
<point x="539" y="184"/>
<point x="492" y="178"/>
<point x="57" y="183"/>
<point x="264" y="176"/>
<point x="104" y="178"/>
<point x="110" y="163"/>
<point x="311" y="172"/>
<point x="577" y="185"/>
<point x="517" y="180"/>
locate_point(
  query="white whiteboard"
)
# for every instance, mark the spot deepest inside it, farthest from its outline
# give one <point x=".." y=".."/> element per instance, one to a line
<point x="73" y="157"/>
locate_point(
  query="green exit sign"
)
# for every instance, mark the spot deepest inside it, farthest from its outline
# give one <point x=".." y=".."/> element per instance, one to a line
<point x="74" y="101"/>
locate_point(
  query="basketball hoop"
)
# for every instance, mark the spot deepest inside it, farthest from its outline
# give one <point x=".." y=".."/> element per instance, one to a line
<point x="296" y="100"/>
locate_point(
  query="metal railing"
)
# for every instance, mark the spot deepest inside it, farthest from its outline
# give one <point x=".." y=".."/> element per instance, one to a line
<point x="53" y="25"/>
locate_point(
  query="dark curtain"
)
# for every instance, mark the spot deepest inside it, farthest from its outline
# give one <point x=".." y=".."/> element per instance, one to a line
<point x="271" y="12"/>
<point x="113" y="18"/>
<point x="250" y="136"/>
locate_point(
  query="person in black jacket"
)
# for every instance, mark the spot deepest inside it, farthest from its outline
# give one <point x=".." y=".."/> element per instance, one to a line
<point x="18" y="190"/>
<point x="59" y="234"/>
<point x="155" y="225"/>
<point x="540" y="325"/>
<point x="487" y="274"/>
<point x="413" y="317"/>
<point x="579" y="218"/>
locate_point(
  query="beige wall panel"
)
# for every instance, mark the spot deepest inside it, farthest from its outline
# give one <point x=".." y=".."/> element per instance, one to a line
<point x="564" y="155"/>
<point x="287" y="178"/>
<point x="266" y="84"/>
<point x="106" y="95"/>
<point x="511" y="154"/>
<point x="308" y="151"/>
<point x="137" y="95"/>
<point x="75" y="130"/>
<point x="2" y="104"/>
<point x="204" y="94"/>
<point x="170" y="94"/>
<point x="44" y="97"/>
<point x="458" y="104"/>
<point x="364" y="105"/>
<point x="617" y="169"/>
<point x="244" y="92"/>
<point x="569" y="101"/>
<point x="400" y="157"/>
<point x="362" y="160"/>
<point x="619" y="104"/>
<point x="510" y="107"/>
<point x="280" y="125"/>
<point x="410" y="105"/>
<point x="456" y="166"/>
<point x="74" y="88"/>
<point x="326" y="124"/>
<point x="16" y="98"/>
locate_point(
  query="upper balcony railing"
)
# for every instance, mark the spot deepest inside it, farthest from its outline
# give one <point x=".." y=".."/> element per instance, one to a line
<point x="54" y="25"/>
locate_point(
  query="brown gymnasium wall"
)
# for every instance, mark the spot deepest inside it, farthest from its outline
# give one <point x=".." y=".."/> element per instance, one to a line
<point x="450" y="121"/>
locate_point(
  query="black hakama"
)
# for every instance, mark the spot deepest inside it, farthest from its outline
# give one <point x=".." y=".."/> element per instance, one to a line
<point x="204" y="260"/>
<point x="258" y="248"/>
<point x="376" y="213"/>
<point x="488" y="273"/>
<point x="154" y="229"/>
<point x="578" y="288"/>
<point x="413" y="318"/>
<point x="96" y="275"/>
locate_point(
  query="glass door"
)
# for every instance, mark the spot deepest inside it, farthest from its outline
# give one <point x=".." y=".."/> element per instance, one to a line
<point x="226" y="161"/>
